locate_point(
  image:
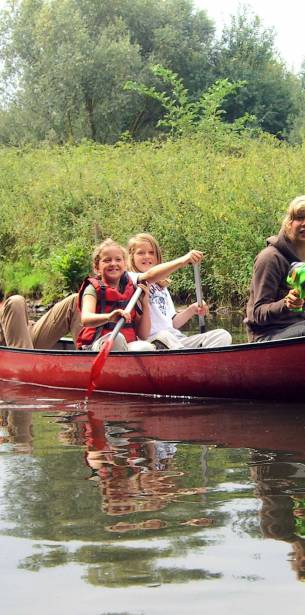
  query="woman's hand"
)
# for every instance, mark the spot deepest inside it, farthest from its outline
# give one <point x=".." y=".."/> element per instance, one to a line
<point x="293" y="301"/>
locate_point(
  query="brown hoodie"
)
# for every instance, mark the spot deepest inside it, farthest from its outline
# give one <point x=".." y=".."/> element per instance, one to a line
<point x="266" y="311"/>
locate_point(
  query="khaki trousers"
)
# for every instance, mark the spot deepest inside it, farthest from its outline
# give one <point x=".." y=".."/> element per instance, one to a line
<point x="17" y="331"/>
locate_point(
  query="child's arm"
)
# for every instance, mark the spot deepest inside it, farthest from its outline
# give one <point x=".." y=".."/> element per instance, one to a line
<point x="90" y="319"/>
<point x="161" y="271"/>
<point x="184" y="316"/>
<point x="143" y="323"/>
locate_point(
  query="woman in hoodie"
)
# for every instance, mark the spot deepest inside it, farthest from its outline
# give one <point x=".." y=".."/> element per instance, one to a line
<point x="275" y="311"/>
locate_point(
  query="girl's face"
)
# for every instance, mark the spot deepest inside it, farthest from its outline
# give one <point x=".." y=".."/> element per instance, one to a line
<point x="144" y="256"/>
<point x="111" y="265"/>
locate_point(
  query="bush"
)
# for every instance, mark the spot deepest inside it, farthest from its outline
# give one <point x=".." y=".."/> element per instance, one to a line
<point x="19" y="278"/>
<point x="58" y="202"/>
<point x="68" y="266"/>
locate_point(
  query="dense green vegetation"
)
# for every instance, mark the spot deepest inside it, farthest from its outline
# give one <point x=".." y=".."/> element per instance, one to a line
<point x="223" y="198"/>
<point x="64" y="64"/>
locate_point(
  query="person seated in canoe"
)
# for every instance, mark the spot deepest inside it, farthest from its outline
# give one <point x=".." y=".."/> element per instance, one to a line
<point x="144" y="257"/>
<point x="16" y="330"/>
<point x="275" y="311"/>
<point x="64" y="317"/>
<point x="103" y="297"/>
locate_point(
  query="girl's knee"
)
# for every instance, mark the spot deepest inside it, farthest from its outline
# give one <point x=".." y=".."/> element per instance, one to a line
<point x="141" y="346"/>
<point x="15" y="302"/>
<point x="226" y="337"/>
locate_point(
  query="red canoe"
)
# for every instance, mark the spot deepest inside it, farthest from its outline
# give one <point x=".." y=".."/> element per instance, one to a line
<point x="268" y="370"/>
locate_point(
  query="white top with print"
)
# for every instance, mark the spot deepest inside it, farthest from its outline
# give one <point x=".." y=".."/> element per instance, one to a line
<point x="162" y="309"/>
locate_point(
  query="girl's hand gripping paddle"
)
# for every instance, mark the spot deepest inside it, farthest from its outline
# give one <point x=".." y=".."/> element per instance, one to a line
<point x="101" y="358"/>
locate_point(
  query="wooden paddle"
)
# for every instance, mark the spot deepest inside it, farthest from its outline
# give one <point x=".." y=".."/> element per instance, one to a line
<point x="101" y="358"/>
<point x="199" y="295"/>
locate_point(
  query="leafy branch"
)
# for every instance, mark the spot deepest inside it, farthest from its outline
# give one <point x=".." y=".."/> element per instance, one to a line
<point x="183" y="115"/>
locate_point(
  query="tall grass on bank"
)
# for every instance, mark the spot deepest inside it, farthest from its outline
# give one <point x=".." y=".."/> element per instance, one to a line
<point x="56" y="202"/>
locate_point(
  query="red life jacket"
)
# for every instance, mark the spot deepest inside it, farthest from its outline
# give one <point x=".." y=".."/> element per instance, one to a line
<point x="108" y="299"/>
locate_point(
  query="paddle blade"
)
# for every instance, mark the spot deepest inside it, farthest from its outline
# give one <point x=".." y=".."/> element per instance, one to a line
<point x="98" y="365"/>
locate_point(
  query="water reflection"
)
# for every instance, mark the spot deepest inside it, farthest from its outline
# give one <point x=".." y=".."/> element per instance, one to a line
<point x="280" y="487"/>
<point x="16" y="430"/>
<point x="144" y="492"/>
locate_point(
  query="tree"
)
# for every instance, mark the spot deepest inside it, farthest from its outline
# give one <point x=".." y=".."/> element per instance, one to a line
<point x="66" y="62"/>
<point x="182" y="115"/>
<point x="246" y="51"/>
<point x="69" y="83"/>
<point x="296" y="132"/>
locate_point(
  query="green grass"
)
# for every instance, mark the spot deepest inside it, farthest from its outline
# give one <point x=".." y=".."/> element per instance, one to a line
<point x="57" y="202"/>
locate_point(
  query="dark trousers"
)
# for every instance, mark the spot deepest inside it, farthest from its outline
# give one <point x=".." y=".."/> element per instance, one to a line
<point x="295" y="330"/>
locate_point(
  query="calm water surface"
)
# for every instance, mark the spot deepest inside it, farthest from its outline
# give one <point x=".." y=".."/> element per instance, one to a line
<point x="148" y="507"/>
<point x="145" y="507"/>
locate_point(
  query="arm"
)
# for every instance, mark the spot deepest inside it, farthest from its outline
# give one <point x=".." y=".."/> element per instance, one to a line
<point x="90" y="319"/>
<point x="143" y="323"/>
<point x="269" y="288"/>
<point x="184" y="316"/>
<point x="161" y="271"/>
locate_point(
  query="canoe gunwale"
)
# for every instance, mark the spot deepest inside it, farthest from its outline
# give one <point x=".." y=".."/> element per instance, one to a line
<point x="164" y="352"/>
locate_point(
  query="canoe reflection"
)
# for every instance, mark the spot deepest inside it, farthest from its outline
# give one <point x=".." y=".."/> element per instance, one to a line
<point x="126" y="441"/>
<point x="131" y="449"/>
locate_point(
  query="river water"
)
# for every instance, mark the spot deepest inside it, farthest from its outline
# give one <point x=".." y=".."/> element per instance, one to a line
<point x="133" y="506"/>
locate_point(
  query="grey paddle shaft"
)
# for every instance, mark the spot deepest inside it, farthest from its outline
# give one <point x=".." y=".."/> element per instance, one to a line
<point x="199" y="295"/>
<point x="130" y="305"/>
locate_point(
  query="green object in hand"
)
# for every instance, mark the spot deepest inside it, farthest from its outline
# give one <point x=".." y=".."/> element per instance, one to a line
<point x="296" y="280"/>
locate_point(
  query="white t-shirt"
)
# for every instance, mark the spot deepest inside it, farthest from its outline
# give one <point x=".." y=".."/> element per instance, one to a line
<point x="162" y="309"/>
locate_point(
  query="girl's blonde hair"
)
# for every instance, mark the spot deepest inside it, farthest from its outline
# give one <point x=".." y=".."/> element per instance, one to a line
<point x="132" y="246"/>
<point x="98" y="251"/>
<point x="295" y="210"/>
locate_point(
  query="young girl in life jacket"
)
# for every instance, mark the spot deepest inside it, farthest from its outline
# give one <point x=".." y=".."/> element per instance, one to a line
<point x="144" y="253"/>
<point x="103" y="299"/>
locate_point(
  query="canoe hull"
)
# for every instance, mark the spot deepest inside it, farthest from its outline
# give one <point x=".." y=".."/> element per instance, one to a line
<point x="269" y="370"/>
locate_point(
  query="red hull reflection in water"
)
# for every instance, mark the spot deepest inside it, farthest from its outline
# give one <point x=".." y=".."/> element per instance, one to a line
<point x="131" y="445"/>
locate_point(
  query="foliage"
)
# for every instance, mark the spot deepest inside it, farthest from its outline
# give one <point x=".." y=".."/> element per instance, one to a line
<point x="20" y="278"/>
<point x="57" y="202"/>
<point x="296" y="132"/>
<point x="299" y="515"/>
<point x="63" y="64"/>
<point x="246" y="51"/>
<point x="183" y="115"/>
<point x="69" y="265"/>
